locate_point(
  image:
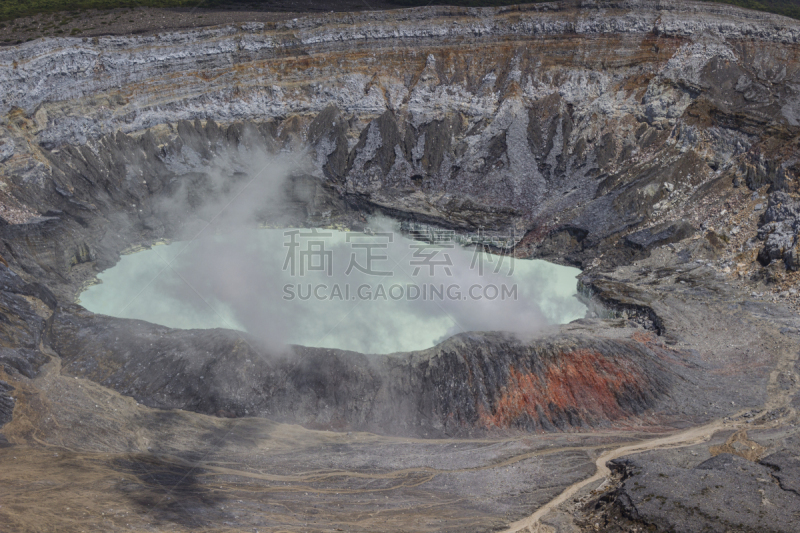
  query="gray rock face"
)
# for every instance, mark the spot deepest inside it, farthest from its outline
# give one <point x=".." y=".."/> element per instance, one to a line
<point x="780" y="231"/>
<point x="786" y="469"/>
<point x="724" y="493"/>
<point x="6" y="404"/>
<point x="24" y="361"/>
<point x="660" y="235"/>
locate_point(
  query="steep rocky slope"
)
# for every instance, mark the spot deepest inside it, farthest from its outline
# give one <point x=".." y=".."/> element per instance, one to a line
<point x="615" y="117"/>
<point x="638" y="140"/>
<point x="562" y="383"/>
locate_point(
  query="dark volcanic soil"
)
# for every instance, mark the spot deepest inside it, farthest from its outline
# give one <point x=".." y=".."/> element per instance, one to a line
<point x="152" y="21"/>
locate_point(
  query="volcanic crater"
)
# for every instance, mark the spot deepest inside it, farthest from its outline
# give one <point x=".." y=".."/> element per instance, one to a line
<point x="651" y="144"/>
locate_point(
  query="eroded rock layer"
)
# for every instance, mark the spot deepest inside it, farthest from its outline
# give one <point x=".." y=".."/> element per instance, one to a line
<point x="564" y="123"/>
<point x="472" y="382"/>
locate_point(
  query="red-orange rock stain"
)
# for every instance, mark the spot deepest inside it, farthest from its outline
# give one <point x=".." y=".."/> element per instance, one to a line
<point x="581" y="380"/>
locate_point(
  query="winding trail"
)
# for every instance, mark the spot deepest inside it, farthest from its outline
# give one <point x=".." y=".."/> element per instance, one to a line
<point x="676" y="440"/>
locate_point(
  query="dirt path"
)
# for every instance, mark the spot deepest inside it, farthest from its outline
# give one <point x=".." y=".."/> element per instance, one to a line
<point x="676" y="440"/>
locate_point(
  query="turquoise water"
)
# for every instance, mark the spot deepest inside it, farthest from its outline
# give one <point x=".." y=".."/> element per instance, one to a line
<point x="372" y="293"/>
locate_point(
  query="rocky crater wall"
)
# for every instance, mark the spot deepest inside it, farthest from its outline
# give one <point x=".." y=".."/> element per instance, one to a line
<point x="568" y="124"/>
<point x="592" y="133"/>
